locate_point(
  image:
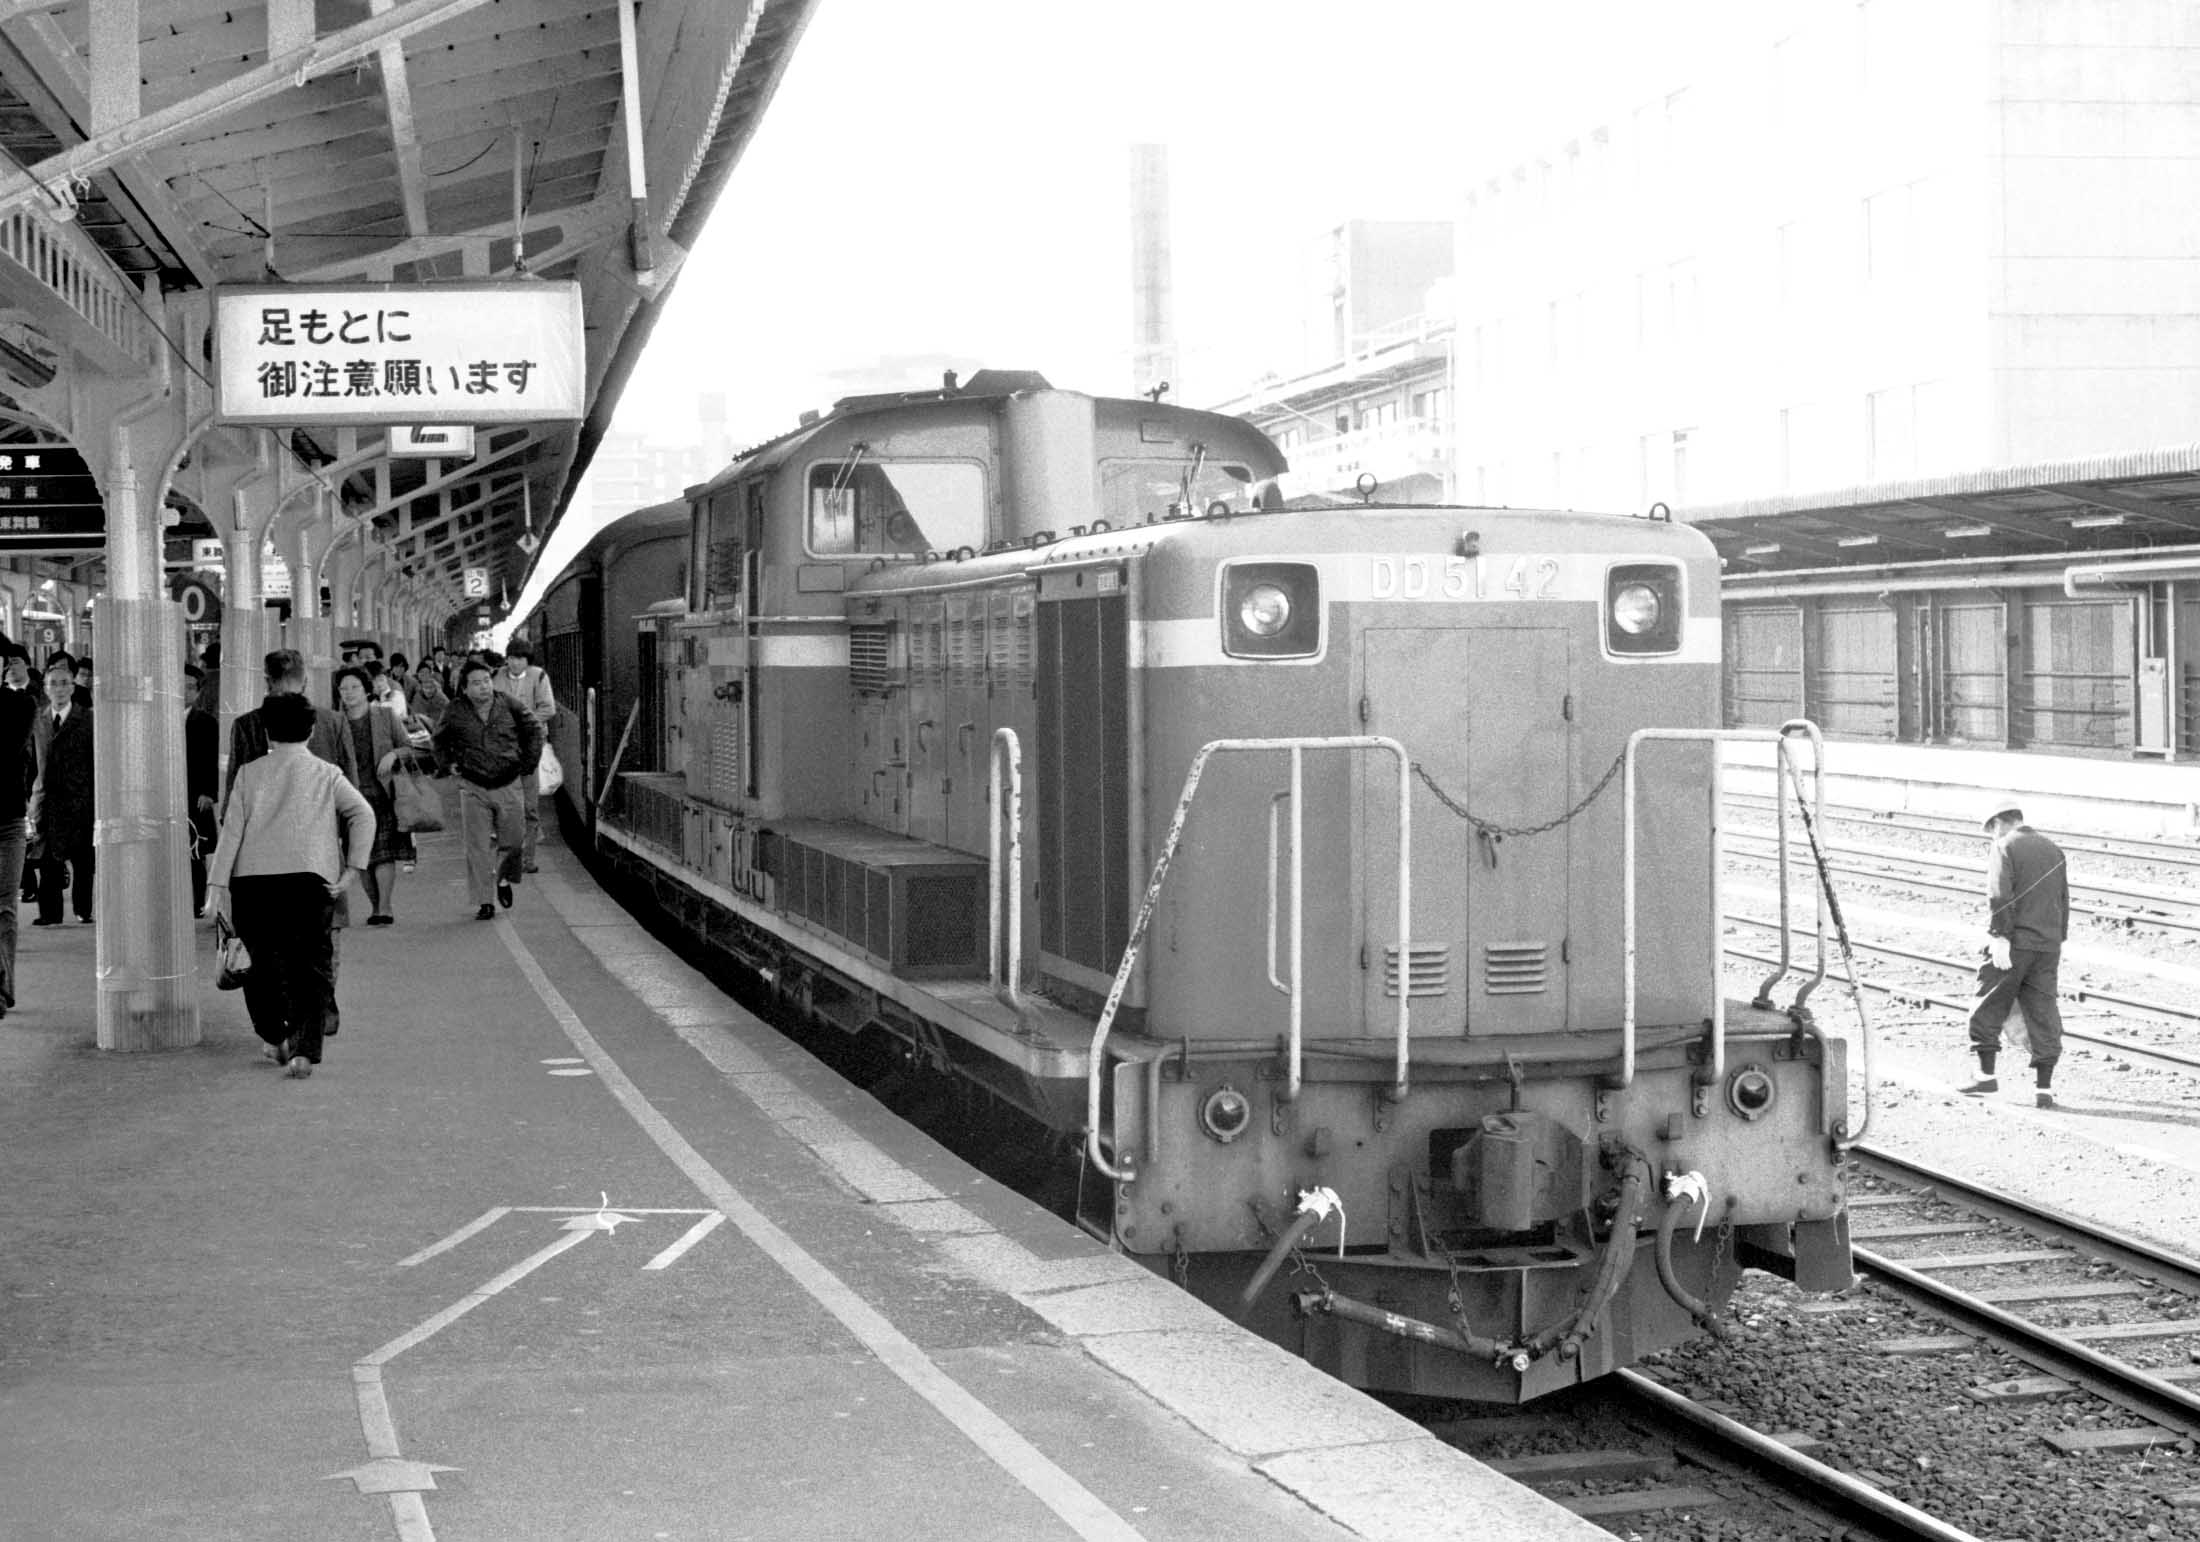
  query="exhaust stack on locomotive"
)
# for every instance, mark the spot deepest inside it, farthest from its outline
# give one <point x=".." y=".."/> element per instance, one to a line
<point x="1367" y="933"/>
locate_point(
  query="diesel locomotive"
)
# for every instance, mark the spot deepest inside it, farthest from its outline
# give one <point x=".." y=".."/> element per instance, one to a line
<point x="1340" y="883"/>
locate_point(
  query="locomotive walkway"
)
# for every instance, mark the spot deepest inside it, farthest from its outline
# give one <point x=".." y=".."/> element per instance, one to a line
<point x="558" y="1243"/>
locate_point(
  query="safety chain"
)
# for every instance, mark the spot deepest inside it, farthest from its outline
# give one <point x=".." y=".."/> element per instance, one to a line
<point x="1489" y="831"/>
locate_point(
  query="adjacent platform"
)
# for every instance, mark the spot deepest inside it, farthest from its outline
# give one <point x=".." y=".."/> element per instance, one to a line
<point x="558" y="1243"/>
<point x="2077" y="794"/>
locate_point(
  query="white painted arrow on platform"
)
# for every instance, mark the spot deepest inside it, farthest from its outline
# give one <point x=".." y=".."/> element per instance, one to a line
<point x="393" y="1475"/>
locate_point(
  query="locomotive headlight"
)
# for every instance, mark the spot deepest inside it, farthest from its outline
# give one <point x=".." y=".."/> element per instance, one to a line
<point x="1270" y="610"/>
<point x="1635" y="609"/>
<point x="1265" y="610"/>
<point x="1642" y="608"/>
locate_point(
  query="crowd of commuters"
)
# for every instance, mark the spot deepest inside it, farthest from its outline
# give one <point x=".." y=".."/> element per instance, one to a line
<point x="304" y="816"/>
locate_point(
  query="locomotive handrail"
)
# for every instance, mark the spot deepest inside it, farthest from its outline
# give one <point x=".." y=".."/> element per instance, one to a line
<point x="1097" y="1057"/>
<point x="1008" y="750"/>
<point x="1779" y="740"/>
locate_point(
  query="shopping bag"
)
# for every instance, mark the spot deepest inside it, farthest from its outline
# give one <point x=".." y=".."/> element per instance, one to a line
<point x="413" y="791"/>
<point x="233" y="963"/>
<point x="549" y="775"/>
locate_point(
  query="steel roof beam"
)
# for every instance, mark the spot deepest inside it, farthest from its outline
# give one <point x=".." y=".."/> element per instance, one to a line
<point x="2028" y="525"/>
<point x="576" y="229"/>
<point x="336" y="51"/>
<point x="2184" y="517"/>
<point x="412" y="183"/>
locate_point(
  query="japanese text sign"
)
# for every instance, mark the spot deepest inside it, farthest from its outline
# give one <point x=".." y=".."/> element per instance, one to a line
<point x="49" y="501"/>
<point x="399" y="353"/>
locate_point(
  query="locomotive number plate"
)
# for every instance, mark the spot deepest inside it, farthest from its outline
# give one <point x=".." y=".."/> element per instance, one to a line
<point x="1503" y="577"/>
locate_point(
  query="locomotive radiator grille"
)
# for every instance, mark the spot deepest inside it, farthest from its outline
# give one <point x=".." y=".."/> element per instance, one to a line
<point x="1428" y="971"/>
<point x="869" y="661"/>
<point x="725" y="763"/>
<point x="1515" y="968"/>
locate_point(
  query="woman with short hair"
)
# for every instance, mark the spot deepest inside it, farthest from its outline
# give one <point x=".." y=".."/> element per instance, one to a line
<point x="278" y="874"/>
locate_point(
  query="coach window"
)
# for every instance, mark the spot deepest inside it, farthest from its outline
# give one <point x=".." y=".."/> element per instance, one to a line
<point x="899" y="508"/>
<point x="1140" y="492"/>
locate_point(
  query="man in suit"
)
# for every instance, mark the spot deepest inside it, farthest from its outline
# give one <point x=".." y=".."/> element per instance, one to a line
<point x="61" y="802"/>
<point x="202" y="774"/>
<point x="19" y="706"/>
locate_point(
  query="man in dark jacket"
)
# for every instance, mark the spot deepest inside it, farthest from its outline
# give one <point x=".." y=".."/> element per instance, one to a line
<point x="60" y="810"/>
<point x="286" y="676"/>
<point x="492" y="742"/>
<point x="18" y="757"/>
<point x="202" y="779"/>
<point x="2028" y="900"/>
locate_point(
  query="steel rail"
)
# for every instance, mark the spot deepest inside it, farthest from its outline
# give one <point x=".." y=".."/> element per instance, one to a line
<point x="2134" y="848"/>
<point x="2125" y="1251"/>
<point x="1847" y="1498"/>
<point x="1959" y="967"/>
<point x="2128" y="1386"/>
<point x="2120" y="905"/>
<point x="2168" y="1057"/>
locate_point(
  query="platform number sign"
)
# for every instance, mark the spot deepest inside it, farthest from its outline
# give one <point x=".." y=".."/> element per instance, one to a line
<point x="477" y="583"/>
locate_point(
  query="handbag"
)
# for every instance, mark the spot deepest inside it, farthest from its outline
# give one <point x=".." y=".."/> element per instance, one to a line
<point x="233" y="961"/>
<point x="413" y="793"/>
<point x="549" y="775"/>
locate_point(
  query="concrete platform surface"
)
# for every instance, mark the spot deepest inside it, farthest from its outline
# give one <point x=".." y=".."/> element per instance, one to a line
<point x="558" y="1243"/>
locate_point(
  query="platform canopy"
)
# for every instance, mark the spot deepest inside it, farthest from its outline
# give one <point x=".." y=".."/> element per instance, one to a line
<point x="2081" y="509"/>
<point x="162" y="148"/>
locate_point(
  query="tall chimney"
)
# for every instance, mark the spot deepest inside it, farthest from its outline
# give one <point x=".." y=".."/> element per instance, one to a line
<point x="1153" y="304"/>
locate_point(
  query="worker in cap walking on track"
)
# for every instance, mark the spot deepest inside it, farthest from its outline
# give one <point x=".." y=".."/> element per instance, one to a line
<point x="2028" y="915"/>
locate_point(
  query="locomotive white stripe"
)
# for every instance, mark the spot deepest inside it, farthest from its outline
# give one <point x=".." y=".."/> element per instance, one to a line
<point x="1197" y="644"/>
<point x="813" y="651"/>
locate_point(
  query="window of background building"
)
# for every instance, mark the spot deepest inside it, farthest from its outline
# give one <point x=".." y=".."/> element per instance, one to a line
<point x="1680" y="464"/>
<point x="1683" y="301"/>
<point x="1890" y="433"/>
<point x="1376" y="414"/>
<point x="1431" y="404"/>
<point x="1890" y="236"/>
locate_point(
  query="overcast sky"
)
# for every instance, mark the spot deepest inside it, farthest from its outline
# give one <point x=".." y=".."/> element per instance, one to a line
<point x="951" y="179"/>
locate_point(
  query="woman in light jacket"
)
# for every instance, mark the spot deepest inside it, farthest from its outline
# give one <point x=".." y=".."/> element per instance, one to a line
<point x="374" y="735"/>
<point x="279" y="872"/>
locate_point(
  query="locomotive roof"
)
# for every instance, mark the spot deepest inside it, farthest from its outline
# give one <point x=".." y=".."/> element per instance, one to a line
<point x="983" y="385"/>
<point x="1318" y="529"/>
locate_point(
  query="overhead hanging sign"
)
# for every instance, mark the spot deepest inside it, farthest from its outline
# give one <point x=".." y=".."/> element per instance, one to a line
<point x="457" y="354"/>
<point x="48" y="501"/>
<point x="444" y="441"/>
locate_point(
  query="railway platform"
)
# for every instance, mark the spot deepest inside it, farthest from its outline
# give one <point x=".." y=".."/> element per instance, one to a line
<point x="559" y="1243"/>
<point x="2149" y="798"/>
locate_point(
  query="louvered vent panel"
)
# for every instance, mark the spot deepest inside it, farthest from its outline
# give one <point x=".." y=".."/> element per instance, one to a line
<point x="959" y="658"/>
<point x="1428" y="971"/>
<point x="725" y="761"/>
<point x="1516" y="968"/>
<point x="1001" y="640"/>
<point x="1025" y="646"/>
<point x="868" y="669"/>
<point x="924" y="650"/>
<point x="724" y="574"/>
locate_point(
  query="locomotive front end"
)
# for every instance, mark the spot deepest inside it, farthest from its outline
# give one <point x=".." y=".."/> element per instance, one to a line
<point x="1424" y="1064"/>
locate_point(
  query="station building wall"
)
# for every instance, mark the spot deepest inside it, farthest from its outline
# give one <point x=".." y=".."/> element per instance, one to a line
<point x="2026" y="668"/>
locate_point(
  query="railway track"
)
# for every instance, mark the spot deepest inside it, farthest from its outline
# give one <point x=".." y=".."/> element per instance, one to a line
<point x="2176" y="1059"/>
<point x="2083" y="1267"/>
<point x="2162" y="854"/>
<point x="2121" y="904"/>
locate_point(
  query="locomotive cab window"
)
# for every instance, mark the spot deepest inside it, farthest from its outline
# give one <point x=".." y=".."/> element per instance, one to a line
<point x="1642" y="609"/>
<point x="1142" y="492"/>
<point x="895" y="508"/>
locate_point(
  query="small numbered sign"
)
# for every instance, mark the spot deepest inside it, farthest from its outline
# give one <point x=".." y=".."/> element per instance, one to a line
<point x="477" y="583"/>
